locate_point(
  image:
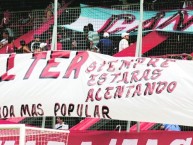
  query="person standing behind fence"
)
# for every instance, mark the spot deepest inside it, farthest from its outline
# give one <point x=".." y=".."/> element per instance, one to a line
<point x="170" y="127"/>
<point x="36" y="43"/>
<point x="61" y="124"/>
<point x="86" y="43"/>
<point x="5" y="22"/>
<point x="105" y="45"/>
<point x="23" y="48"/>
<point x="124" y="41"/>
<point x="5" y="39"/>
<point x="93" y="37"/>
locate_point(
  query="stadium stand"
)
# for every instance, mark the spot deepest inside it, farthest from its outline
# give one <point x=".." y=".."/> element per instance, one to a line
<point x="41" y="30"/>
<point x="167" y="45"/>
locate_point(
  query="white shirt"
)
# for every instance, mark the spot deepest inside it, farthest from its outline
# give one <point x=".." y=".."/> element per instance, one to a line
<point x="4" y="41"/>
<point x="123" y="44"/>
<point x="62" y="126"/>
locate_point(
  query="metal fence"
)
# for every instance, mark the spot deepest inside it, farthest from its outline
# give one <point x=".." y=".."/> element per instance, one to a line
<point x="25" y="24"/>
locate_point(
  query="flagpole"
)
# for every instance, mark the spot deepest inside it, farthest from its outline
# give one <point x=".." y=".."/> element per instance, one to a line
<point x="138" y="52"/>
<point x="54" y="34"/>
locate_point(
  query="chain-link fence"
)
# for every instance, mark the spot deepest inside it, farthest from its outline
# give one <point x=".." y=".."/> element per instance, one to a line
<point x="28" y="25"/>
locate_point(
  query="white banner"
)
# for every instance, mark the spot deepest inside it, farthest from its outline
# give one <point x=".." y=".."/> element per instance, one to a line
<point x="87" y="84"/>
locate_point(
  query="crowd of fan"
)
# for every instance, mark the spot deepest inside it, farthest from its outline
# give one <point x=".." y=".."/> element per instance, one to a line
<point x="7" y="35"/>
<point x="90" y="39"/>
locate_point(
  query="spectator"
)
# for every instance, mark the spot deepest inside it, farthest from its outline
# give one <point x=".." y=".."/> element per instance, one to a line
<point x="51" y="6"/>
<point x="25" y="19"/>
<point x="36" y="48"/>
<point x="65" y="38"/>
<point x="61" y="124"/>
<point x="10" y="46"/>
<point x="63" y="2"/>
<point x="43" y="46"/>
<point x="48" y="14"/>
<point x="93" y="37"/>
<point x="105" y="45"/>
<point x="5" y="39"/>
<point x="5" y="22"/>
<point x="36" y="43"/>
<point x="23" y="48"/>
<point x="124" y="41"/>
<point x="85" y="31"/>
<point x="74" y="45"/>
<point x="170" y="127"/>
<point x="85" y="41"/>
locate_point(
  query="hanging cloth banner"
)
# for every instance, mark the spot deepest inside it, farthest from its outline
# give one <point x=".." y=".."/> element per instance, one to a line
<point x="88" y="84"/>
<point x="116" y="21"/>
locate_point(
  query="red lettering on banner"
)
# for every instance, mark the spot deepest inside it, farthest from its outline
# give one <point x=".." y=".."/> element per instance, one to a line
<point x="124" y="78"/>
<point x="92" y="81"/>
<point x="153" y="62"/>
<point x="60" y="54"/>
<point x="70" y="109"/>
<point x="127" y="88"/>
<point x="102" y="79"/>
<point x="134" y="76"/>
<point x="125" y="64"/>
<point x="90" y="95"/>
<point x="137" y="90"/>
<point x="92" y="67"/>
<point x="111" y="22"/>
<point x="107" y="94"/>
<point x="34" y="110"/>
<point x="105" y="112"/>
<point x="97" y="97"/>
<point x="101" y="66"/>
<point x="51" y="63"/>
<point x="161" y="87"/>
<point x="6" y="111"/>
<point x="166" y="64"/>
<point x="37" y="57"/>
<point x="171" y="87"/>
<point x="57" y="108"/>
<point x="115" y="77"/>
<point x="107" y="138"/>
<point x="150" y="88"/>
<point x="63" y="110"/>
<point x="156" y="73"/>
<point x="139" y="61"/>
<point x="119" y="91"/>
<point x="127" y="91"/>
<point x="86" y="111"/>
<point x="10" y="65"/>
<point x="96" y="111"/>
<point x="81" y="110"/>
<point x="111" y="67"/>
<point x="145" y="75"/>
<point x="46" y="74"/>
<point x="176" y="18"/>
<point x="76" y="64"/>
